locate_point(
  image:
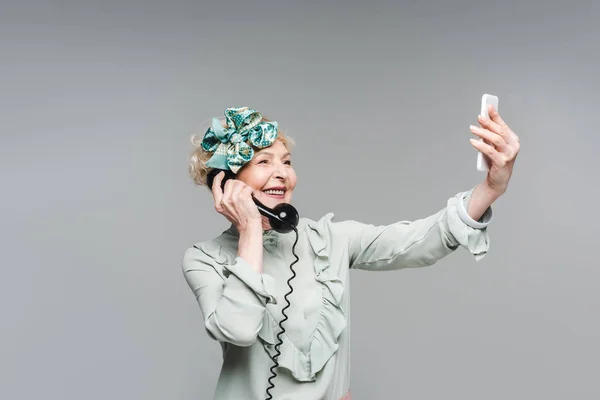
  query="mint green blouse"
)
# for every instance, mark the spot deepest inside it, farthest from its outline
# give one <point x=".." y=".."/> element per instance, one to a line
<point x="241" y="308"/>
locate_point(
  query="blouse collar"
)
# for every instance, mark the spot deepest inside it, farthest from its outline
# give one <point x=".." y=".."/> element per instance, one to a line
<point x="268" y="234"/>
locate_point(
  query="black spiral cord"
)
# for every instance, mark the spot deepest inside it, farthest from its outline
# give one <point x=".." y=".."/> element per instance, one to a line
<point x="285" y="317"/>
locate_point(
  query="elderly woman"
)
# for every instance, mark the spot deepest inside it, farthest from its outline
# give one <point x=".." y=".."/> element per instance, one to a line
<point x="240" y="277"/>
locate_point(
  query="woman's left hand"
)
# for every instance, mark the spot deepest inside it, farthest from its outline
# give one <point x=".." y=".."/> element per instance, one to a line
<point x="502" y="149"/>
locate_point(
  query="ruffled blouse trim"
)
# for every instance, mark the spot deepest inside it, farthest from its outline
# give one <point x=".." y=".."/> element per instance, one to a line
<point x="332" y="321"/>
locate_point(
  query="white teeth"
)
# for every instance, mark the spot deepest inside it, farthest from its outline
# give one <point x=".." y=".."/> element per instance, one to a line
<point x="276" y="192"/>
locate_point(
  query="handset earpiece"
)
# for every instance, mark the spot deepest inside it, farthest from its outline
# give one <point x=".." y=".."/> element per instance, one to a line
<point x="283" y="217"/>
<point x="214" y="172"/>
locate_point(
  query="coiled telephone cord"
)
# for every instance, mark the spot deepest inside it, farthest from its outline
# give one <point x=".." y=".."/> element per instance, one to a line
<point x="285" y="317"/>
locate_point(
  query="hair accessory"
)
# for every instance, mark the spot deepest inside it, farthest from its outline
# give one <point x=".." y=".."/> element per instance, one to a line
<point x="230" y="147"/>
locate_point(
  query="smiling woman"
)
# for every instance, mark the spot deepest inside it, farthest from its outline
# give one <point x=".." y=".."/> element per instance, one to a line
<point x="242" y="281"/>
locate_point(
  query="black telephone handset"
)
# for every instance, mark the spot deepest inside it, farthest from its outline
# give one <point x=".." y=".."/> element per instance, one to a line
<point x="283" y="219"/>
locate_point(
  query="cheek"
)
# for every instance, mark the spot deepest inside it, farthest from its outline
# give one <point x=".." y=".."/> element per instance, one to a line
<point x="256" y="183"/>
<point x="255" y="178"/>
<point x="293" y="180"/>
<point x="248" y="177"/>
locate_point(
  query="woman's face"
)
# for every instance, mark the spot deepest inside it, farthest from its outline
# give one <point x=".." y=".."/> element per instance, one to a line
<point x="270" y="174"/>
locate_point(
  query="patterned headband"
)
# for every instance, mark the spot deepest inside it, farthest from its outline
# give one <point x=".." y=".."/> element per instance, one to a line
<point x="229" y="145"/>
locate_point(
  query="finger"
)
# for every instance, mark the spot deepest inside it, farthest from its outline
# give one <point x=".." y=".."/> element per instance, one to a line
<point x="242" y="204"/>
<point x="216" y="188"/>
<point x="495" y="116"/>
<point x="227" y="191"/>
<point x="503" y="128"/>
<point x="236" y="191"/>
<point x="491" y="125"/>
<point x="493" y="138"/>
<point x="246" y="195"/>
<point x="512" y="138"/>
<point x="496" y="157"/>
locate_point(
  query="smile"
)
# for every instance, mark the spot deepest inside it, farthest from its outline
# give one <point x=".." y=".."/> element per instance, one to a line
<point x="275" y="193"/>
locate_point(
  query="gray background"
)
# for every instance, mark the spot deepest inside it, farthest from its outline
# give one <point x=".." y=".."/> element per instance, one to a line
<point x="98" y="102"/>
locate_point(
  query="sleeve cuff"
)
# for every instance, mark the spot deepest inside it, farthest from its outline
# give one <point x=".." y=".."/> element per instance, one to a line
<point x="262" y="284"/>
<point x="485" y="219"/>
<point x="467" y="232"/>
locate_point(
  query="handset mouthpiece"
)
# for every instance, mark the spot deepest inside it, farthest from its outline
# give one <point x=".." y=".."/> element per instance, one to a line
<point x="283" y="217"/>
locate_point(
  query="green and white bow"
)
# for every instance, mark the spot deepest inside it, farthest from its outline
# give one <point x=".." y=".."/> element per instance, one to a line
<point x="231" y="145"/>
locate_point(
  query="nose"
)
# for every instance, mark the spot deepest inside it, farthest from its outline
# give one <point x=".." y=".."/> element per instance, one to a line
<point x="280" y="172"/>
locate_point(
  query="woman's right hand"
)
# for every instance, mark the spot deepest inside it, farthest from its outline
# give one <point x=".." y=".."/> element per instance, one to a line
<point x="235" y="203"/>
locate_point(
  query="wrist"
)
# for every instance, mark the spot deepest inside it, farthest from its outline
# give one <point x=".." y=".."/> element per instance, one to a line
<point x="251" y="227"/>
<point x="491" y="192"/>
<point x="250" y="245"/>
<point x="482" y="197"/>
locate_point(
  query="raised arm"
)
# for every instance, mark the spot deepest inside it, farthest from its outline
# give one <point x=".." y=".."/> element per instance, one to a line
<point x="419" y="243"/>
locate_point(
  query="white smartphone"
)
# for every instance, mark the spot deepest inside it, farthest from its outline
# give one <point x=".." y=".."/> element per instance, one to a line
<point x="483" y="162"/>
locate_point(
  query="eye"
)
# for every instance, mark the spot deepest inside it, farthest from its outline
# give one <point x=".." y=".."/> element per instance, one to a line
<point x="288" y="162"/>
<point x="262" y="162"/>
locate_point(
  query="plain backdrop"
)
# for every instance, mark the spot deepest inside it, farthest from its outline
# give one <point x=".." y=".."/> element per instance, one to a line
<point x="98" y="101"/>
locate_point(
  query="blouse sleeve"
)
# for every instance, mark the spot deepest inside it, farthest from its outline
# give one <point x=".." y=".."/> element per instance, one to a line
<point x="419" y="243"/>
<point x="232" y="296"/>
